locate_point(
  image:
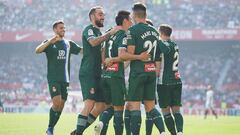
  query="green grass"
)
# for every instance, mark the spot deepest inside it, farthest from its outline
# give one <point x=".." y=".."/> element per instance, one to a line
<point x="35" y="124"/>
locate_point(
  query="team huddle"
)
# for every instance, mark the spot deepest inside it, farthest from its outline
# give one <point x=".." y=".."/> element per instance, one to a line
<point x="153" y="59"/>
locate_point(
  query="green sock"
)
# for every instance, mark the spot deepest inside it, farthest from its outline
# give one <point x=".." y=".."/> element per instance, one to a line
<point x="179" y="121"/>
<point x="91" y="118"/>
<point x="81" y="124"/>
<point x="118" y="122"/>
<point x="127" y="122"/>
<point x="149" y="124"/>
<point x="105" y="118"/>
<point x="135" y="121"/>
<point x="170" y="123"/>
<point x="53" y="118"/>
<point x="157" y="119"/>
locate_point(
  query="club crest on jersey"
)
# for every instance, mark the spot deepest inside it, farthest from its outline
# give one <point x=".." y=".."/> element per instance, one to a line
<point x="61" y="54"/>
<point x="54" y="89"/>
<point x="124" y="41"/>
<point x="92" y="91"/>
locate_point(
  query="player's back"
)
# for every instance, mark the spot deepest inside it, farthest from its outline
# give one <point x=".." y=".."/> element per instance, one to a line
<point x="112" y="46"/>
<point x="170" y="73"/>
<point x="144" y="38"/>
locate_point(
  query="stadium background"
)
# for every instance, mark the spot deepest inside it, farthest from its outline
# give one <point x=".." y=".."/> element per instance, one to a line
<point x="207" y="32"/>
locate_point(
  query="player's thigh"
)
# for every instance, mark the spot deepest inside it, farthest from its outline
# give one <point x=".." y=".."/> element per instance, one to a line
<point x="149" y="88"/>
<point x="99" y="95"/>
<point x="163" y="95"/>
<point x="88" y="87"/>
<point x="136" y="88"/>
<point x="64" y="91"/>
<point x="117" y="86"/>
<point x="106" y="90"/>
<point x="176" y="95"/>
<point x="54" y="89"/>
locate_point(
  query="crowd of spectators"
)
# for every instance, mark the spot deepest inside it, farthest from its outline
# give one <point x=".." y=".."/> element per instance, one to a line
<point x="38" y="15"/>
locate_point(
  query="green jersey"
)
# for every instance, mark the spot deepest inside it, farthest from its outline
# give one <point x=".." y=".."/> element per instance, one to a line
<point x="169" y="64"/>
<point x="58" y="60"/>
<point x="145" y="38"/>
<point x="91" y="61"/>
<point x="115" y="42"/>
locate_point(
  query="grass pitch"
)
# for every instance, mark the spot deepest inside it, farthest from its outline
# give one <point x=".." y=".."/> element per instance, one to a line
<point x="35" y="124"/>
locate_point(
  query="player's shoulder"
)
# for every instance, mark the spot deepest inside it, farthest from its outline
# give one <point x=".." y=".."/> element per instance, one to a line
<point x="88" y="28"/>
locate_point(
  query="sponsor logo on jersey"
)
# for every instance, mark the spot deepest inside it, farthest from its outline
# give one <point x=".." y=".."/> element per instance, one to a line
<point x="113" y="67"/>
<point x="61" y="55"/>
<point x="149" y="67"/>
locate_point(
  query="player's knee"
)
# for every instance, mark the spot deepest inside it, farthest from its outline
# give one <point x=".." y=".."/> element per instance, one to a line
<point x="57" y="106"/>
<point x="134" y="105"/>
<point x="88" y="105"/>
<point x="166" y="110"/>
<point x="176" y="109"/>
<point x="118" y="108"/>
<point x="149" y="105"/>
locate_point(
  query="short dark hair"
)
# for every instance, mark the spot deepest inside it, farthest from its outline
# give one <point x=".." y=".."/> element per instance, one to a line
<point x="165" y="29"/>
<point x="148" y="21"/>
<point x="121" y="16"/>
<point x="55" y="24"/>
<point x="93" y="10"/>
<point x="140" y="10"/>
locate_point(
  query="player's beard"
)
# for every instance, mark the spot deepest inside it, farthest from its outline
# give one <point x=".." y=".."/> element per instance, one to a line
<point x="99" y="23"/>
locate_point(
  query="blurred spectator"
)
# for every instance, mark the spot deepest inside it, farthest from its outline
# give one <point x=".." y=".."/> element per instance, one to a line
<point x="39" y="14"/>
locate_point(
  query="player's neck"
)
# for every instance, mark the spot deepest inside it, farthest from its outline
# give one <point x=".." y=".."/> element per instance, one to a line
<point x="140" y="20"/>
<point x="95" y="26"/>
<point x="125" y="28"/>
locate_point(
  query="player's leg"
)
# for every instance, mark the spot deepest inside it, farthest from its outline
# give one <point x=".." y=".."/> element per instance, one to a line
<point x="135" y="94"/>
<point x="118" y="91"/>
<point x="149" y="103"/>
<point x="88" y="86"/>
<point x="106" y="115"/>
<point x="164" y="102"/>
<point x="55" y="110"/>
<point x="176" y="104"/>
<point x="127" y="119"/>
<point x="206" y="113"/>
<point x="214" y="112"/>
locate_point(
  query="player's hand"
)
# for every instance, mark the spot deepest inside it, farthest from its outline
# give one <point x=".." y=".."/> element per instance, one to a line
<point x="144" y="56"/>
<point x="114" y="30"/>
<point x="55" y="39"/>
<point x="108" y="62"/>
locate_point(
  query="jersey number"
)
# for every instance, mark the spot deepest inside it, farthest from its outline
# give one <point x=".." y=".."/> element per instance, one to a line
<point x="176" y="59"/>
<point x="151" y="45"/>
<point x="110" y="42"/>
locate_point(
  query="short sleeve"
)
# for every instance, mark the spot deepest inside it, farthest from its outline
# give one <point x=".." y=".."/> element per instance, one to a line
<point x="164" y="46"/>
<point x="48" y="48"/>
<point x="88" y="34"/>
<point x="123" y="43"/>
<point x="75" y="48"/>
<point x="131" y="37"/>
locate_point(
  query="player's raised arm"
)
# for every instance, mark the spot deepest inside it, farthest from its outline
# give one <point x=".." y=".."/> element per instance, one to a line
<point x="94" y="41"/>
<point x="40" y="48"/>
